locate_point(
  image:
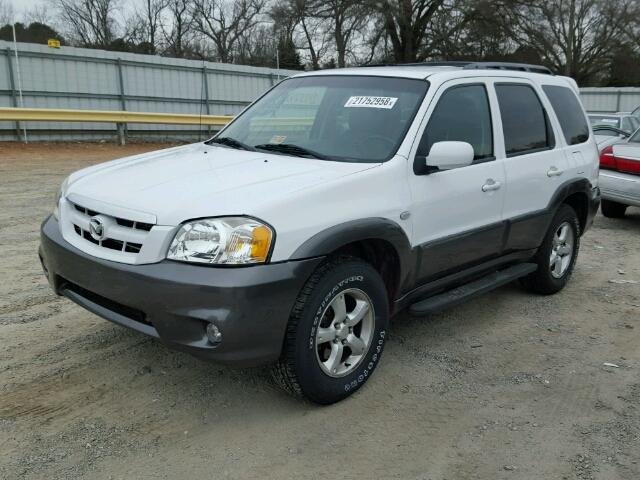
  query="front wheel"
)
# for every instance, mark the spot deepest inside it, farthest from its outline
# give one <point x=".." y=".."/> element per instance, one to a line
<point x="557" y="255"/>
<point x="336" y="332"/>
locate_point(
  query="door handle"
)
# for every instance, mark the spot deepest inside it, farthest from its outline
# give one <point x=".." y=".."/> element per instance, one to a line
<point x="554" y="172"/>
<point x="491" y="185"/>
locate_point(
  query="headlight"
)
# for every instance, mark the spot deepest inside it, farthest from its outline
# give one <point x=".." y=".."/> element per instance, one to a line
<point x="222" y="241"/>
<point x="59" y="194"/>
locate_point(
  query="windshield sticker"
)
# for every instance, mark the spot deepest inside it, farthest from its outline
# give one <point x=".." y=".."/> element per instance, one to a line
<point x="608" y="120"/>
<point x="278" y="139"/>
<point x="371" y="102"/>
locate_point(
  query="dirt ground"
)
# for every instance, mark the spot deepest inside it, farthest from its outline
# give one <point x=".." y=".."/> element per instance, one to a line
<point x="508" y="386"/>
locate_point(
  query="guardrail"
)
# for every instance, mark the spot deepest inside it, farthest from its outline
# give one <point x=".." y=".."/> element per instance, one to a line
<point x="120" y="118"/>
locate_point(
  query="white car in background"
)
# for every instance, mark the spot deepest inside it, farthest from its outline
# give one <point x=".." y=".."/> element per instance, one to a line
<point x="626" y="122"/>
<point x="606" y="136"/>
<point x="620" y="176"/>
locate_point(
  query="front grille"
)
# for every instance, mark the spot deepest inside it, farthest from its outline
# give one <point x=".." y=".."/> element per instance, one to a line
<point x="120" y="221"/>
<point x="125" y="239"/>
<point x="130" y="313"/>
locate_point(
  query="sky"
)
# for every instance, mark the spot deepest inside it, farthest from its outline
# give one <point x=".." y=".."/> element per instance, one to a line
<point x="21" y="6"/>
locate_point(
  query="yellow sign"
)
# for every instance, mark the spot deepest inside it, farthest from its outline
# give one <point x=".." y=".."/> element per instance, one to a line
<point x="53" y="43"/>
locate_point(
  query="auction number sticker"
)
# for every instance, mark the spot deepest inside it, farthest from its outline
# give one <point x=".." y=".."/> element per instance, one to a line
<point x="371" y="102"/>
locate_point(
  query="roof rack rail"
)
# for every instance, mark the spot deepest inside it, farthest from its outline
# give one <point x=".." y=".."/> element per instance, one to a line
<point x="451" y="63"/>
<point x="466" y="65"/>
<point x="523" y="67"/>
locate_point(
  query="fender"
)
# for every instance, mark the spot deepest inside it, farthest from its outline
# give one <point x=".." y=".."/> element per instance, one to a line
<point x="592" y="196"/>
<point x="568" y="188"/>
<point x="375" y="228"/>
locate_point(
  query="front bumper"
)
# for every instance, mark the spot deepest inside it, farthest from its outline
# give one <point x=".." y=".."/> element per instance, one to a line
<point x="175" y="301"/>
<point x="620" y="187"/>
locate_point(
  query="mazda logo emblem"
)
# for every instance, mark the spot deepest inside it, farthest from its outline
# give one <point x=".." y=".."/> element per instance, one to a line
<point x="96" y="228"/>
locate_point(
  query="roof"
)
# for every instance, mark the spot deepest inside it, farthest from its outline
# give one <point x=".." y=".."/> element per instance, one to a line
<point x="418" y="72"/>
<point x="427" y="69"/>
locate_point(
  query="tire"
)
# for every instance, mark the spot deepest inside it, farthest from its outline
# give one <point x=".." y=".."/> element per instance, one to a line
<point x="555" y="263"/>
<point x="322" y="359"/>
<point x="613" y="209"/>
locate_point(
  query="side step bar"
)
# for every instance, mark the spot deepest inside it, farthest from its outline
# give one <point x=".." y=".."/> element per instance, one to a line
<point x="465" y="292"/>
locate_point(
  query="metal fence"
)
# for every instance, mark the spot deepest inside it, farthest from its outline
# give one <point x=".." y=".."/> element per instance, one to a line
<point x="610" y="99"/>
<point x="78" y="78"/>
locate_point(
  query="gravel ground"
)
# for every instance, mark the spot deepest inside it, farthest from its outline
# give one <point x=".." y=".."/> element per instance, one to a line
<point x="507" y="386"/>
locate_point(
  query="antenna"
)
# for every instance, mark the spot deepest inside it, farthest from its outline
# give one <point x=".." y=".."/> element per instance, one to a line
<point x="204" y="73"/>
<point x="15" y="51"/>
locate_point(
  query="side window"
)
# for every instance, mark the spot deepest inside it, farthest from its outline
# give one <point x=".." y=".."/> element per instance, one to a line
<point x="524" y="122"/>
<point x="463" y="115"/>
<point x="635" y="123"/>
<point x="567" y="108"/>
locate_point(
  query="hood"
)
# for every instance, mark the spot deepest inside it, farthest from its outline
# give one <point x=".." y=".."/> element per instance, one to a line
<point x="201" y="180"/>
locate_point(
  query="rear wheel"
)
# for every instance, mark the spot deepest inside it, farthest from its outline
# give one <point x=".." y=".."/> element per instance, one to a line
<point x="613" y="209"/>
<point x="557" y="255"/>
<point x="336" y="332"/>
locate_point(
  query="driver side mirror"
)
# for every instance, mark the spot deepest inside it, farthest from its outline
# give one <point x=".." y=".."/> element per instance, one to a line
<point x="444" y="156"/>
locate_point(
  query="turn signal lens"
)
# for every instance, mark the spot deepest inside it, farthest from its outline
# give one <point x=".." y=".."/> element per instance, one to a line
<point x="260" y="243"/>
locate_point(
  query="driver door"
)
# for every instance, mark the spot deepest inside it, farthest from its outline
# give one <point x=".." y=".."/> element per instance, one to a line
<point x="457" y="213"/>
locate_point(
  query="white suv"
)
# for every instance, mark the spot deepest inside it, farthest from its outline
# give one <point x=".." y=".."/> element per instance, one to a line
<point x="333" y="202"/>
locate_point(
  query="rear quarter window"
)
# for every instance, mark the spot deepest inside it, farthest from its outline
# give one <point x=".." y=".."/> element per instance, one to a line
<point x="567" y="108"/>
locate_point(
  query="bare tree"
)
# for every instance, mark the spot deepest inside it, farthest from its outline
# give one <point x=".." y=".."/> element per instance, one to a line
<point x="90" y="22"/>
<point x="39" y="13"/>
<point x="310" y="32"/>
<point x="150" y="20"/>
<point x="632" y="28"/>
<point x="345" y="19"/>
<point x="463" y="29"/>
<point x="178" y="30"/>
<point x="224" y="22"/>
<point x="574" y="37"/>
<point x="406" y="24"/>
<point x="7" y="14"/>
<point x="259" y="48"/>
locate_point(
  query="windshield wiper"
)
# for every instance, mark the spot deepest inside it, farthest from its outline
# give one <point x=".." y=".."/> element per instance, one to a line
<point x="291" y="149"/>
<point x="230" y="142"/>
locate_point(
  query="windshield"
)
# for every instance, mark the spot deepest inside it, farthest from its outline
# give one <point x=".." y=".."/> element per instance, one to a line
<point x="606" y="131"/>
<point x="604" y="120"/>
<point x="347" y="118"/>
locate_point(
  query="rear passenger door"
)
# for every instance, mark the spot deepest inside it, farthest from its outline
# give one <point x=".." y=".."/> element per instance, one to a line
<point x="576" y="142"/>
<point x="534" y="166"/>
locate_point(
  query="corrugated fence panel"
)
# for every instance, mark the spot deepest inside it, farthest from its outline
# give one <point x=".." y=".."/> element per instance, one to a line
<point x="77" y="78"/>
<point x="610" y="99"/>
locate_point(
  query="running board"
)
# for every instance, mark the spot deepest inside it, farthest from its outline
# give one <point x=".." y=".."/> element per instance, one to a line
<point x="473" y="289"/>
